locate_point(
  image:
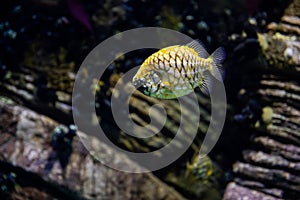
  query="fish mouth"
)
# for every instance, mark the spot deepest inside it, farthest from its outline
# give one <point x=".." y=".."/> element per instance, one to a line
<point x="139" y="85"/>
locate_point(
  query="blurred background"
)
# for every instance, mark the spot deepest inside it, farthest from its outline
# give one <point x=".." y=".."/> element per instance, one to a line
<point x="44" y="42"/>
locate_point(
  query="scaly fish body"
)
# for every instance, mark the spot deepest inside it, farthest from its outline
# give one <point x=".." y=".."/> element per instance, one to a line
<point x="176" y="70"/>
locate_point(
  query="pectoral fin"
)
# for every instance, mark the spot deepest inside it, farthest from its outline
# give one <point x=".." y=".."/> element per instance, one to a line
<point x="206" y="83"/>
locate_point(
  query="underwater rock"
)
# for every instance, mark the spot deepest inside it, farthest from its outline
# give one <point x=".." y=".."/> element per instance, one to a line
<point x="280" y="45"/>
<point x="51" y="46"/>
<point x="269" y="167"/>
<point x="27" y="143"/>
<point x="236" y="191"/>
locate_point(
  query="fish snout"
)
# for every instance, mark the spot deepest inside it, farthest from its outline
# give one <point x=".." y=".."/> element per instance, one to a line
<point x="139" y="84"/>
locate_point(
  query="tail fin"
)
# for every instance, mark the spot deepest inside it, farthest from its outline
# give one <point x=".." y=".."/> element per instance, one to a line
<point x="217" y="68"/>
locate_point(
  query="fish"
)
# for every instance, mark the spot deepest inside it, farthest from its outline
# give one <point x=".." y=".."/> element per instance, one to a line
<point x="200" y="168"/>
<point x="177" y="70"/>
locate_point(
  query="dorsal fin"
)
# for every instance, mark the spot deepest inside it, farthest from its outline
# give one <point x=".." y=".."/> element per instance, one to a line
<point x="198" y="46"/>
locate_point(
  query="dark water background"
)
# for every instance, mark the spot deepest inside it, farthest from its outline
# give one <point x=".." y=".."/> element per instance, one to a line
<point x="43" y="27"/>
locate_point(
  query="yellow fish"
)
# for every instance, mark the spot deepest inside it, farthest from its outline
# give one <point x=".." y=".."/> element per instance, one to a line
<point x="177" y="70"/>
<point x="200" y="168"/>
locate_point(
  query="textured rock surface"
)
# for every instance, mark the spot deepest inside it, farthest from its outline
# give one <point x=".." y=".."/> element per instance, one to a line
<point x="269" y="168"/>
<point x="235" y="191"/>
<point x="26" y="142"/>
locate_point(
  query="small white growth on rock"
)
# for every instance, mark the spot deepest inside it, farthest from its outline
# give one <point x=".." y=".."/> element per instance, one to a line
<point x="288" y="53"/>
